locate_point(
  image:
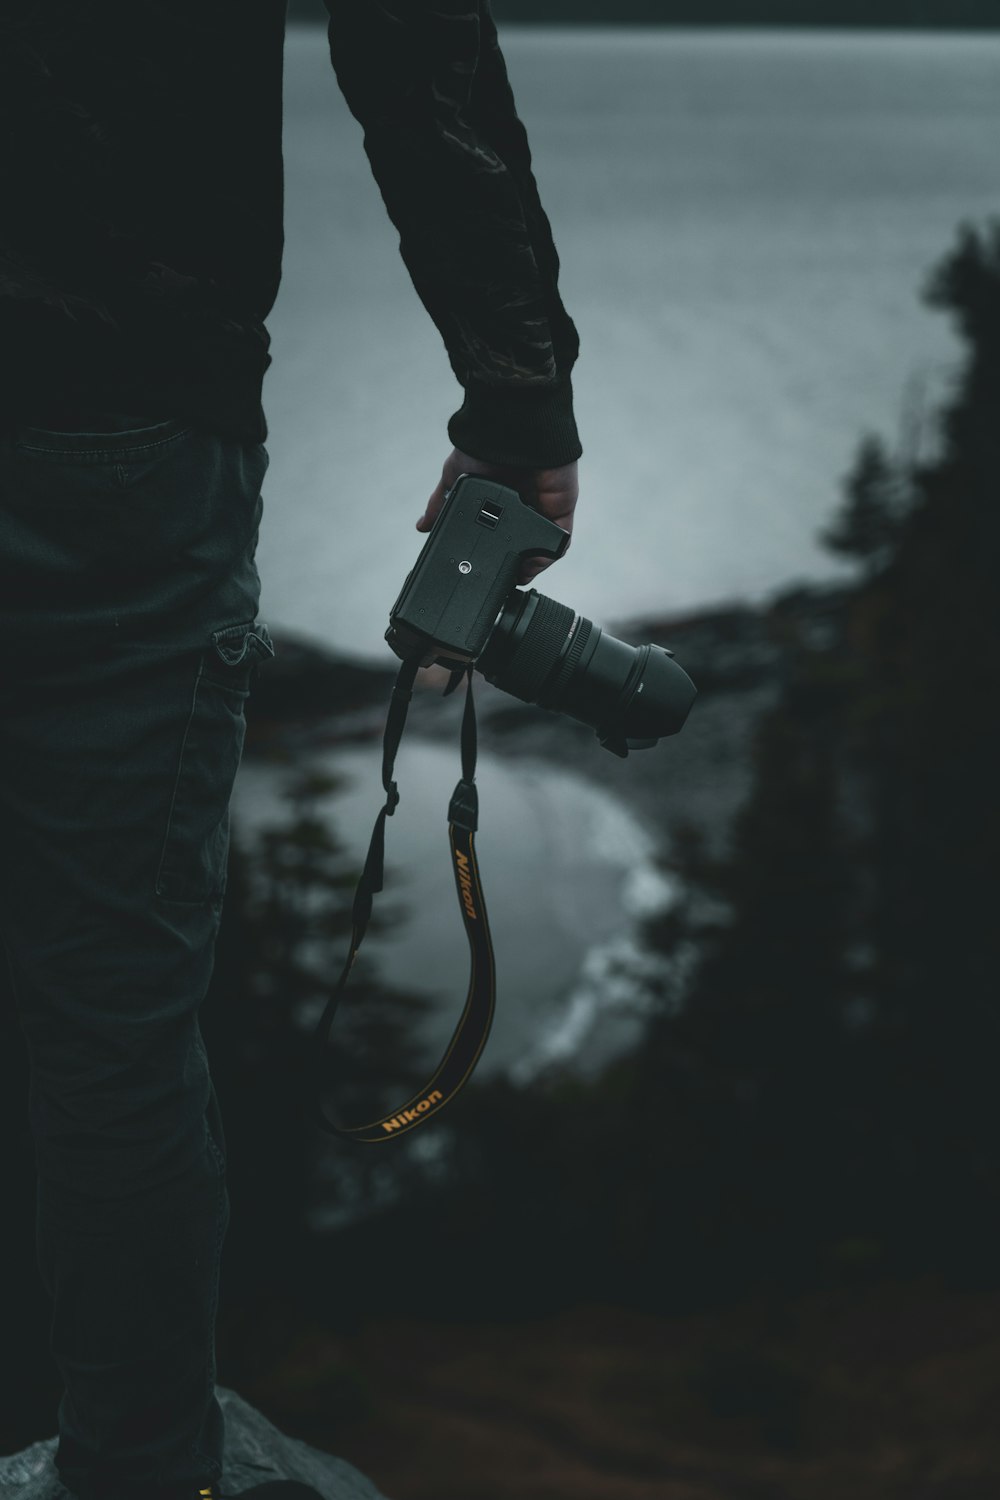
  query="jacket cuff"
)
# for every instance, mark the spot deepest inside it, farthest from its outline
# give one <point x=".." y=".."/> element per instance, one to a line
<point x="530" y="427"/>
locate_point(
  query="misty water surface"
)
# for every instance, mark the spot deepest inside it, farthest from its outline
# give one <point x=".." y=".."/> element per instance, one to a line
<point x="744" y="221"/>
<point x="566" y="873"/>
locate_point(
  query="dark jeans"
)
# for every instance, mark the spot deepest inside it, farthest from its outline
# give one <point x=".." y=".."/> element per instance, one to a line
<point x="128" y="622"/>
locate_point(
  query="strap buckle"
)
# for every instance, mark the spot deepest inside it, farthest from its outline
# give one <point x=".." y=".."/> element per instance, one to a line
<point x="463" y="809"/>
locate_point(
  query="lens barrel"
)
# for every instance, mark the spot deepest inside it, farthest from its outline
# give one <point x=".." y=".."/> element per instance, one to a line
<point x="542" y="652"/>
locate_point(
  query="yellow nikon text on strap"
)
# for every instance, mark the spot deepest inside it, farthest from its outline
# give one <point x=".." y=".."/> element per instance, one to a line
<point x="406" y="1116"/>
<point x="465" y="882"/>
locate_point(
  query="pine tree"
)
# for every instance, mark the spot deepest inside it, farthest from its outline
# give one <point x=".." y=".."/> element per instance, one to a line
<point x="830" y="1074"/>
<point x="868" y="523"/>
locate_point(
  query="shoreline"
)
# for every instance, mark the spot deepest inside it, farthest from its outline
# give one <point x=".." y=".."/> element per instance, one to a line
<point x="311" y="696"/>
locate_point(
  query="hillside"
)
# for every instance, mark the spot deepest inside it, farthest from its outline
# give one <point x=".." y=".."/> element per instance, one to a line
<point x="918" y="14"/>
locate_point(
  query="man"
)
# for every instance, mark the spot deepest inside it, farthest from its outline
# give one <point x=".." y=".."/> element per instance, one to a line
<point x="140" y="251"/>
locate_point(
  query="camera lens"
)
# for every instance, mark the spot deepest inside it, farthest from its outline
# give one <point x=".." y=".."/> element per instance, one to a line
<point x="541" y="652"/>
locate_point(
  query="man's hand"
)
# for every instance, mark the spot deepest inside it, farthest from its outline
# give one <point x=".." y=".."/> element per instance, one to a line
<point x="554" y="492"/>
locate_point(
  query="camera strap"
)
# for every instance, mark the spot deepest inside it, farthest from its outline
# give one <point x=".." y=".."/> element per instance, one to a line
<point x="469" y="1036"/>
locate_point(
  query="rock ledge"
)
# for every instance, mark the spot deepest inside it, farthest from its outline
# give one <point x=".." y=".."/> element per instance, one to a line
<point x="256" y="1451"/>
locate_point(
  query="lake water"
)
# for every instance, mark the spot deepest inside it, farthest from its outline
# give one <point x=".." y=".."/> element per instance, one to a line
<point x="744" y="221"/>
<point x="566" y="874"/>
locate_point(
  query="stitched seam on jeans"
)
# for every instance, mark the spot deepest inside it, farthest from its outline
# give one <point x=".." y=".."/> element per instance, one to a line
<point x="115" y="452"/>
<point x="211" y="1372"/>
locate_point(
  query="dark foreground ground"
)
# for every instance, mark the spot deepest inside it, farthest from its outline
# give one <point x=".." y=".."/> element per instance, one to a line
<point x="871" y="1392"/>
<point x="875" y="1393"/>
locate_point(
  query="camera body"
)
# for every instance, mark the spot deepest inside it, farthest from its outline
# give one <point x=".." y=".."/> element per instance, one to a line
<point x="466" y="570"/>
<point x="460" y="605"/>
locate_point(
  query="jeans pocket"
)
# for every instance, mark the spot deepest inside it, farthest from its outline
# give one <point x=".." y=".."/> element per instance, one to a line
<point x="194" y="857"/>
<point x="97" y="439"/>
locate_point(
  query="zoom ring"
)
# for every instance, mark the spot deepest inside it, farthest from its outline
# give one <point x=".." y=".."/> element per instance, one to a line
<point x="553" y="697"/>
<point x="532" y="662"/>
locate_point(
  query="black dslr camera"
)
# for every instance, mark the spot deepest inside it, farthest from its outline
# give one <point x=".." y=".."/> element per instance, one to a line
<point x="460" y="604"/>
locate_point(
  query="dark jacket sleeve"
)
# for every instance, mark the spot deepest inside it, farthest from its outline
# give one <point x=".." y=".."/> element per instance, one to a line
<point x="427" y="81"/>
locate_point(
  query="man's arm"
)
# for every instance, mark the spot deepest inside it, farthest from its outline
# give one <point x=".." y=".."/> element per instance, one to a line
<point x="426" y="79"/>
